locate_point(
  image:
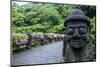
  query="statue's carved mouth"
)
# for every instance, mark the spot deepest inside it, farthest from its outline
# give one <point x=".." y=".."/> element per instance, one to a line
<point x="76" y="40"/>
<point x="77" y="43"/>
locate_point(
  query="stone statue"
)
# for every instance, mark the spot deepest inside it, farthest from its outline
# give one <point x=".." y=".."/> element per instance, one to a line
<point x="77" y="42"/>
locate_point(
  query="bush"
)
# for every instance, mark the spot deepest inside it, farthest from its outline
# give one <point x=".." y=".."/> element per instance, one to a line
<point x="93" y="35"/>
<point x="16" y="37"/>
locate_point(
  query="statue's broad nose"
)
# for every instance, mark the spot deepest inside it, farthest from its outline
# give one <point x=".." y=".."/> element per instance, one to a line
<point x="76" y="34"/>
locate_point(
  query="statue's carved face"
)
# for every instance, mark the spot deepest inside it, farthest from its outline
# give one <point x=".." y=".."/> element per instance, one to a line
<point x="77" y="34"/>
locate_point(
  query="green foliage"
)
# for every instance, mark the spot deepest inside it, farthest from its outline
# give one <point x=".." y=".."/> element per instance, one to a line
<point x="38" y="28"/>
<point x="64" y="10"/>
<point x="15" y="38"/>
<point x="39" y="17"/>
<point x="90" y="11"/>
<point x="18" y="36"/>
<point x="93" y="35"/>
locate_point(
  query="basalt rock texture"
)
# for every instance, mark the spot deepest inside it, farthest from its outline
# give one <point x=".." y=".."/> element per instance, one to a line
<point x="77" y="42"/>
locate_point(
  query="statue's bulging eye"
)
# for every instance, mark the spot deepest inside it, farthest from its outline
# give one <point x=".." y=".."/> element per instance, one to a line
<point x="70" y="31"/>
<point x="82" y="30"/>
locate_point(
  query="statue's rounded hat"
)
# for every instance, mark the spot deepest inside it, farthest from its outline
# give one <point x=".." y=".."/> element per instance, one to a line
<point x="77" y="15"/>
